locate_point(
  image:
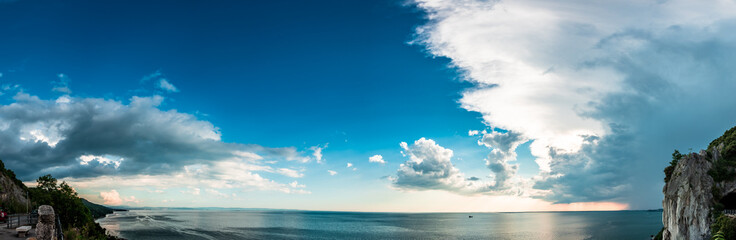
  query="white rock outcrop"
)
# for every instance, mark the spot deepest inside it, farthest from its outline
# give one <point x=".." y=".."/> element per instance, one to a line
<point x="688" y="197"/>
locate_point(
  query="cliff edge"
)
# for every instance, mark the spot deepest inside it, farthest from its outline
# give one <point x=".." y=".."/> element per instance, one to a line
<point x="698" y="187"/>
<point x="13" y="193"/>
<point x="688" y="199"/>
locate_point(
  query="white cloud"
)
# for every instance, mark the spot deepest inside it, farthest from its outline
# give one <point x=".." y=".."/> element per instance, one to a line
<point x="376" y="159"/>
<point x="192" y="191"/>
<point x="104" y="160"/>
<point x="317" y="152"/>
<point x="580" y="77"/>
<point x="166" y="85"/>
<point x="86" y="140"/>
<point x="349" y="165"/>
<point x="332" y="173"/>
<point x="247" y="155"/>
<point x="131" y="199"/>
<point x="111" y="198"/>
<point x="430" y="168"/>
<point x="296" y="184"/>
<point x="213" y="192"/>
<point x="472" y="132"/>
<point x="290" y="172"/>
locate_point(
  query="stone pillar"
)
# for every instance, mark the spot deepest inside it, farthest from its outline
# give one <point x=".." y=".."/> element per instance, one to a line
<point x="46" y="227"/>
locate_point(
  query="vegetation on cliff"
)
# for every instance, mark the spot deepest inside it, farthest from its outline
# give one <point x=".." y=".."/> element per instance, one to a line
<point x="13" y="192"/>
<point x="97" y="211"/>
<point x="76" y="218"/>
<point x="676" y="156"/>
<point x="724" y="227"/>
<point x="699" y="186"/>
<point x="723" y="169"/>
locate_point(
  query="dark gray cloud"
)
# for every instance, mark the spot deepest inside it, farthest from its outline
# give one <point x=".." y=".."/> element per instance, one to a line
<point x="52" y="136"/>
<point x="597" y="172"/>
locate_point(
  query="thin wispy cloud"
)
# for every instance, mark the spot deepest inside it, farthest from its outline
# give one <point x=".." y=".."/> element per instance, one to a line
<point x="167" y="86"/>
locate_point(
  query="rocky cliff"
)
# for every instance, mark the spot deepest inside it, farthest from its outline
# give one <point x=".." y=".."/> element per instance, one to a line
<point x="12" y="192"/>
<point x="688" y="199"/>
<point x="696" y="188"/>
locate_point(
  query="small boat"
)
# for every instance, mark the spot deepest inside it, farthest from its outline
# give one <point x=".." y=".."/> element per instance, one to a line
<point x="471" y="216"/>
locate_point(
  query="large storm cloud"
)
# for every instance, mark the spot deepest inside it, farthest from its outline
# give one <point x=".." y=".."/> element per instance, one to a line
<point x="74" y="137"/>
<point x="605" y="90"/>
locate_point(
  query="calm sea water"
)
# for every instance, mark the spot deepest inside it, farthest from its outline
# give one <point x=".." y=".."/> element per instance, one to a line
<point x="206" y="224"/>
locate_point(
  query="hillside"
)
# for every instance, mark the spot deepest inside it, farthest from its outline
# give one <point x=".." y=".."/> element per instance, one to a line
<point x="75" y="216"/>
<point x="98" y="211"/>
<point x="13" y="193"/>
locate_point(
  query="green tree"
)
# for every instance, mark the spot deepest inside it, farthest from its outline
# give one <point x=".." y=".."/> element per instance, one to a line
<point x="74" y="215"/>
<point x="676" y="156"/>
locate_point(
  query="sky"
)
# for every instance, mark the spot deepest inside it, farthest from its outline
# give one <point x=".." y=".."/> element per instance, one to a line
<point x="391" y="106"/>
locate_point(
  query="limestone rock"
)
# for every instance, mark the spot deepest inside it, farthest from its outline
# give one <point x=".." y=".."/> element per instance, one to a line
<point x="46" y="227"/>
<point x="688" y="196"/>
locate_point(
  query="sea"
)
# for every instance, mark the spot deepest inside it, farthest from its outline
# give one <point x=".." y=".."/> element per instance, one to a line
<point x="287" y="224"/>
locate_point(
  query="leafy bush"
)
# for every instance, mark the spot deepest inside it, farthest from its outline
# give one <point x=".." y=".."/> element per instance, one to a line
<point x="659" y="235"/>
<point x="719" y="236"/>
<point x="729" y="145"/>
<point x="724" y="225"/>
<point x="723" y="169"/>
<point x="676" y="156"/>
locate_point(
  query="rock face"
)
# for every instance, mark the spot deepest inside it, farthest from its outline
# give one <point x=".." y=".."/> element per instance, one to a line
<point x="12" y="196"/>
<point x="688" y="196"/>
<point x="688" y="199"/>
<point x="46" y="226"/>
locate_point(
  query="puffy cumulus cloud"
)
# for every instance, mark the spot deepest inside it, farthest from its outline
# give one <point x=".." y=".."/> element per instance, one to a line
<point x="111" y="198"/>
<point x="83" y="139"/>
<point x="578" y="77"/>
<point x="376" y="159"/>
<point x="430" y="167"/>
<point x="332" y="173"/>
<point x="504" y="146"/>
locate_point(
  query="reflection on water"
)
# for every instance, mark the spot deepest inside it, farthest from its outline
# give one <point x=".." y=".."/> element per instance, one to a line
<point x="154" y="224"/>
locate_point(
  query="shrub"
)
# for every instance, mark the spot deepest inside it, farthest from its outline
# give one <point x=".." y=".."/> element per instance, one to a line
<point x="676" y="156"/>
<point x="659" y="235"/>
<point x="726" y="226"/>
<point x="729" y="145"/>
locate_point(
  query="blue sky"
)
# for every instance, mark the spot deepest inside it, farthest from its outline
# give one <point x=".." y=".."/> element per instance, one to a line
<point x="170" y="103"/>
